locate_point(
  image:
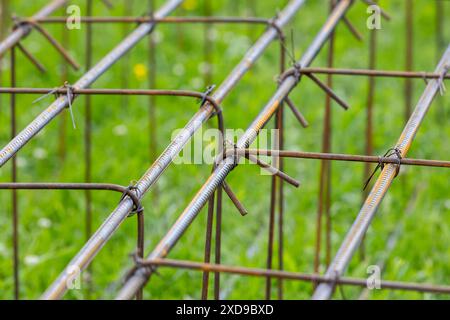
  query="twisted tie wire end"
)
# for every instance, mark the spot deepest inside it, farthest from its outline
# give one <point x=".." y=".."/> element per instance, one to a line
<point x="381" y="163"/>
<point x="442" y="88"/>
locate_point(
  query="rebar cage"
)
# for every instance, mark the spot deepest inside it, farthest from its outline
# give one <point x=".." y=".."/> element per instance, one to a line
<point x="291" y="72"/>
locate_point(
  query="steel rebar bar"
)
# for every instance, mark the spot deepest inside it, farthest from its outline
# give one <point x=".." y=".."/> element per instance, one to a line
<point x="309" y="277"/>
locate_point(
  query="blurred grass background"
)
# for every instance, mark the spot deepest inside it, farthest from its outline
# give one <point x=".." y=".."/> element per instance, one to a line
<point x="52" y="223"/>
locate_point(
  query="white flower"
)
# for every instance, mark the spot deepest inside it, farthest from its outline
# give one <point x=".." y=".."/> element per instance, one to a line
<point x="44" y="223"/>
<point x="204" y="67"/>
<point x="178" y="69"/>
<point x="40" y="153"/>
<point x="32" y="260"/>
<point x="3" y="249"/>
<point x="196" y="83"/>
<point x="158" y="36"/>
<point x="447" y="204"/>
<point x="120" y="130"/>
<point x="21" y="162"/>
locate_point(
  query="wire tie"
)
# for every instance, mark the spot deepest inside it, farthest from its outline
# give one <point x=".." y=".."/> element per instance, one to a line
<point x="140" y="264"/>
<point x="338" y="284"/>
<point x="424" y="77"/>
<point x="137" y="207"/>
<point x="442" y="88"/>
<point x="390" y="152"/>
<point x="70" y="97"/>
<point x="205" y="95"/>
<point x="53" y="91"/>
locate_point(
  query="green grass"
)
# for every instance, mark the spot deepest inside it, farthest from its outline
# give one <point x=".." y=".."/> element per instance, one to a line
<point x="52" y="223"/>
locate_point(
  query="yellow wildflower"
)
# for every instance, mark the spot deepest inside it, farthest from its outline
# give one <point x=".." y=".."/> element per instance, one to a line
<point x="189" y="5"/>
<point x="140" y="71"/>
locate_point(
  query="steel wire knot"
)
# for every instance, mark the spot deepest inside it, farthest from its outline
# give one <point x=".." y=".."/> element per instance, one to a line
<point x="391" y="152"/>
<point x="295" y="71"/>
<point x="336" y="283"/>
<point x="140" y="264"/>
<point x="70" y="97"/>
<point x="235" y="153"/>
<point x="137" y="206"/>
<point x="442" y="88"/>
<point x="205" y="94"/>
<point x="273" y="23"/>
<point x="70" y="94"/>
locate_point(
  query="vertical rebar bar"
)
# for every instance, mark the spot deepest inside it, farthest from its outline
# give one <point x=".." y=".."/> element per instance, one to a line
<point x="440" y="45"/>
<point x="4" y="12"/>
<point x="208" y="238"/>
<point x="140" y="244"/>
<point x="271" y="225"/>
<point x="409" y="58"/>
<point x="125" y="63"/>
<point x="208" y="44"/>
<point x="65" y="41"/>
<point x="152" y="112"/>
<point x="14" y="197"/>
<point x="369" y="119"/>
<point x="88" y="141"/>
<point x="325" y="168"/>
<point x="280" y="195"/>
<point x="218" y="242"/>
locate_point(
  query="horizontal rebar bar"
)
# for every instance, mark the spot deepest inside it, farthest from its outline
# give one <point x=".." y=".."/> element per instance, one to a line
<point x="379" y="190"/>
<point x="170" y="20"/>
<point x="140" y="277"/>
<point x="85" y="81"/>
<point x="375" y="73"/>
<point x="110" y="225"/>
<point x="71" y="186"/>
<point x="341" y="157"/>
<point x="23" y="30"/>
<point x="309" y="277"/>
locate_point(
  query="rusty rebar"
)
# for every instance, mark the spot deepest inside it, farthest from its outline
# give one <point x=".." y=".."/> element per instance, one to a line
<point x="14" y="173"/>
<point x="341" y="157"/>
<point x="409" y="57"/>
<point x="309" y="277"/>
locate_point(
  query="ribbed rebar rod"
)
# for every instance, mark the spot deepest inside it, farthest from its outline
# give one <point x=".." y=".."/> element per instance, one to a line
<point x="368" y="210"/>
<point x="309" y="277"/>
<point x="105" y="231"/>
<point x="85" y="81"/>
<point x="340" y="157"/>
<point x="141" y="275"/>
<point x="375" y="73"/>
<point x="168" y="20"/>
<point x="23" y="30"/>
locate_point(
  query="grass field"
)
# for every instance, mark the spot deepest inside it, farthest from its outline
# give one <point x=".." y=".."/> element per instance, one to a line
<point x="52" y="223"/>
